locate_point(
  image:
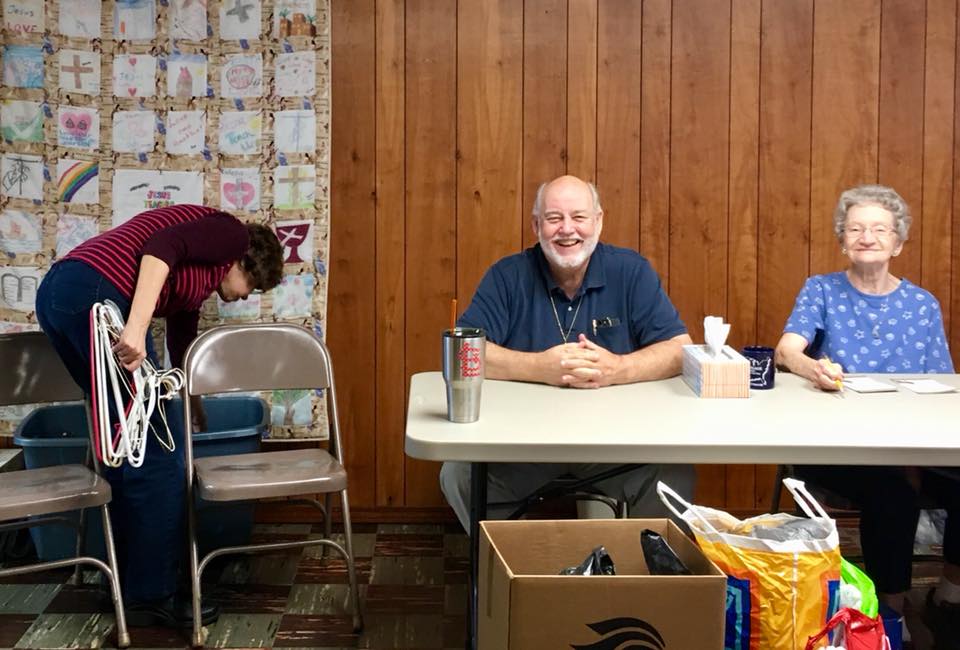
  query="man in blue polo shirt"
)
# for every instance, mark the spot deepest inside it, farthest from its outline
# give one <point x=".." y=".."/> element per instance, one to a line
<point x="573" y="312"/>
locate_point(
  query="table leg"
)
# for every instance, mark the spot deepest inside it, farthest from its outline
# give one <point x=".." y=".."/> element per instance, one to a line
<point x="478" y="512"/>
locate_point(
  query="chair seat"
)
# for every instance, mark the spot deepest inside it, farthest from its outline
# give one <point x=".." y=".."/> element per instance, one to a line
<point x="268" y="474"/>
<point x="49" y="490"/>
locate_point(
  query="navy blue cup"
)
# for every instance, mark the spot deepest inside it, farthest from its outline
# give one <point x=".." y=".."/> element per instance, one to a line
<point x="762" y="369"/>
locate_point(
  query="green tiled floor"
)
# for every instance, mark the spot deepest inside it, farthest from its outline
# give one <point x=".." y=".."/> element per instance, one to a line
<point x="412" y="586"/>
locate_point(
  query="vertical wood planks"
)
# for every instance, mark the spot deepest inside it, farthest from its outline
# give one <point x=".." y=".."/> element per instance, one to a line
<point x="784" y="200"/>
<point x="582" y="89"/>
<point x="699" y="158"/>
<point x="544" y="101"/>
<point x="390" y="248"/>
<point x="431" y="203"/>
<point x="902" y="37"/>
<point x="655" y="137"/>
<point x="351" y="312"/>
<point x="743" y="185"/>
<point x="938" y="165"/>
<point x="618" y="120"/>
<point x="846" y="65"/>
<point x="489" y="136"/>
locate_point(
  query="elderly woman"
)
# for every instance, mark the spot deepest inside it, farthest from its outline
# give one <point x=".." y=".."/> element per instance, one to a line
<point x="865" y="319"/>
<point x="161" y="263"/>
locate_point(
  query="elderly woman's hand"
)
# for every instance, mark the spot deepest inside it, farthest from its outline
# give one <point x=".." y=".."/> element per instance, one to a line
<point x="828" y="375"/>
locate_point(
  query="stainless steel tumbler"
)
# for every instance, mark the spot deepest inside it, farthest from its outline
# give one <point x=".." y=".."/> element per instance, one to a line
<point x="463" y="368"/>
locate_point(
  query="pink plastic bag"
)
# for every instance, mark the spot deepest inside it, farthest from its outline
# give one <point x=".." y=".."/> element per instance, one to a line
<point x="854" y="630"/>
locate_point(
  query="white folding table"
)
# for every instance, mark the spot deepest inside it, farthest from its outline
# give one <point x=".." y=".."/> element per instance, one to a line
<point x="664" y="422"/>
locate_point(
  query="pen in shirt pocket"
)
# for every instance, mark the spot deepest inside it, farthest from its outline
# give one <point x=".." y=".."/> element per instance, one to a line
<point x="604" y="323"/>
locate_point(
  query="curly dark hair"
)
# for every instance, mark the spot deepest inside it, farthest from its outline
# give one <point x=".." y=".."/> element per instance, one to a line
<point x="264" y="258"/>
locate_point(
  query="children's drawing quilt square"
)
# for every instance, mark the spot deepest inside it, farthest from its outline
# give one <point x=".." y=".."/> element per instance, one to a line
<point x="294" y="18"/>
<point x="187" y="75"/>
<point x="242" y="309"/>
<point x="21" y="176"/>
<point x="295" y="131"/>
<point x="134" y="75"/>
<point x="78" y="128"/>
<point x="20" y="232"/>
<point x="296" y="238"/>
<point x="240" y="132"/>
<point x="240" y="19"/>
<point x="134" y="20"/>
<point x="242" y="75"/>
<point x="73" y="230"/>
<point x="21" y="121"/>
<point x="133" y="131"/>
<point x="78" y="181"/>
<point x="137" y="190"/>
<point x="296" y="74"/>
<point x="23" y="16"/>
<point x="294" y="187"/>
<point x="22" y="66"/>
<point x="293" y="297"/>
<point x="240" y="188"/>
<point x="186" y="132"/>
<point x="291" y="408"/>
<point x="188" y="19"/>
<point x="80" y="18"/>
<point x="80" y="72"/>
<point x="18" y="287"/>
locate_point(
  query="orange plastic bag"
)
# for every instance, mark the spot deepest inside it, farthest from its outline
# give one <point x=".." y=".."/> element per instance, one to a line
<point x="854" y="630"/>
<point x="780" y="591"/>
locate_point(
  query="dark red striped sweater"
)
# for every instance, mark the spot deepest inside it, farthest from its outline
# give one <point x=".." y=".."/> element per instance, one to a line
<point x="198" y="244"/>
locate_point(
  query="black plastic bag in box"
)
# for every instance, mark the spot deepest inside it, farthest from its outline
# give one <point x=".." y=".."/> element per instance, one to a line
<point x="660" y="558"/>
<point x="597" y="563"/>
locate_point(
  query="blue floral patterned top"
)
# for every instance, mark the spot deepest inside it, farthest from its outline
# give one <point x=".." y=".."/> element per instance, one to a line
<point x="901" y="331"/>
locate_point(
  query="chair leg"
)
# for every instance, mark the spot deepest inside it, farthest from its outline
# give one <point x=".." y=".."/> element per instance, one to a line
<point x="197" y="638"/>
<point x="351" y="566"/>
<point x="123" y="636"/>
<point x="327" y="522"/>
<point x="777" y="488"/>
<point x="77" y="577"/>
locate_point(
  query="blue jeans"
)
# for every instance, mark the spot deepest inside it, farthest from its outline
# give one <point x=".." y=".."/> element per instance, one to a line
<point x="147" y="510"/>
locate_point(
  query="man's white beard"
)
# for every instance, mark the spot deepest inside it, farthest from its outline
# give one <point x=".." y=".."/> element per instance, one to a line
<point x="569" y="261"/>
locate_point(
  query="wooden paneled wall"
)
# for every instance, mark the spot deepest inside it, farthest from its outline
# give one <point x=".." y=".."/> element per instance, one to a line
<point x="719" y="133"/>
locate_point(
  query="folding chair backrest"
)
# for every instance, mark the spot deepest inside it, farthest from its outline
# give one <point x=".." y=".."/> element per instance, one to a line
<point x="31" y="372"/>
<point x="261" y="356"/>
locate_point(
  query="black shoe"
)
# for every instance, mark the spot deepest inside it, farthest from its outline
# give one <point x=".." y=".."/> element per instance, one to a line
<point x="943" y="621"/>
<point x="170" y="612"/>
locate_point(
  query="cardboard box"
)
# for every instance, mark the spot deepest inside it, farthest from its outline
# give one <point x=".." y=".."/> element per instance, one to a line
<point x="525" y="605"/>
<point x="726" y="375"/>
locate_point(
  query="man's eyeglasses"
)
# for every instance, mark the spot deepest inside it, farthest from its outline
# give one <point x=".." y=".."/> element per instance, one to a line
<point x="879" y="231"/>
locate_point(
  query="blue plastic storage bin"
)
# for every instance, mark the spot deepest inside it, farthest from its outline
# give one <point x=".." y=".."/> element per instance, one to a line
<point x="57" y="435"/>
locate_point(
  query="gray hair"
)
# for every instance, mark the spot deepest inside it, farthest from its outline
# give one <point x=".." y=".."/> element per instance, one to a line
<point x="879" y="195"/>
<point x="538" y="201"/>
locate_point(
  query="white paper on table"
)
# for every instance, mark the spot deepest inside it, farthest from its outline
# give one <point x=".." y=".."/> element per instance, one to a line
<point x="868" y="385"/>
<point x="926" y="386"/>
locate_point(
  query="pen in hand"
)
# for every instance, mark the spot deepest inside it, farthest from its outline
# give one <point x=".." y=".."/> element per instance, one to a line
<point x="834" y="366"/>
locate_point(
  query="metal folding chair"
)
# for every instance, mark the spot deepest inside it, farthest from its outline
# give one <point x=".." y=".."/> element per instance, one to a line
<point x="32" y="373"/>
<point x="265" y="356"/>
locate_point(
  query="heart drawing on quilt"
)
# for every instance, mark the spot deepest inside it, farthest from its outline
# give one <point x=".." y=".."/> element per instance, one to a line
<point x="239" y="194"/>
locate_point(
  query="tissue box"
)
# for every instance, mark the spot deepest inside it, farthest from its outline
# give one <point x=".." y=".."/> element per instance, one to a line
<point x="726" y="375"/>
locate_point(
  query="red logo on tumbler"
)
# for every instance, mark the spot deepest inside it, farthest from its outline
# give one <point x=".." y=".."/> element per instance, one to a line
<point x="470" y="362"/>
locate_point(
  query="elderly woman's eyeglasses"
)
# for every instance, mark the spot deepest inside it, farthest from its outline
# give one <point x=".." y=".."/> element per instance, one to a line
<point x="878" y="230"/>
